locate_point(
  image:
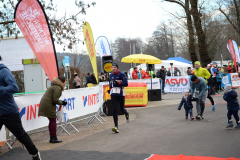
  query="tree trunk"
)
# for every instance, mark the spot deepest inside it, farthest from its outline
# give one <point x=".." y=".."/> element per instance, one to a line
<point x="191" y="46"/>
<point x="204" y="57"/>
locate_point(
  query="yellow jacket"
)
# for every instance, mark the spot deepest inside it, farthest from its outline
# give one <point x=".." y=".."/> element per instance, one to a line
<point x="202" y="72"/>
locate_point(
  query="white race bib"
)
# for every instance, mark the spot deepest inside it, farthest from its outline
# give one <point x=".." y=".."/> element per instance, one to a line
<point x="116" y="90"/>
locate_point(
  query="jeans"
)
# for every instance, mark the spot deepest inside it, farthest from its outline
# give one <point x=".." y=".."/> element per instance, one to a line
<point x="14" y="124"/>
<point x="52" y="127"/>
<point x="189" y="110"/>
<point x="235" y="114"/>
<point x="115" y="101"/>
<point x="162" y="84"/>
<point x="201" y="103"/>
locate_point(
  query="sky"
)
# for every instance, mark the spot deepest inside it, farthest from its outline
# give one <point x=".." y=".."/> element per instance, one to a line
<point x="120" y="18"/>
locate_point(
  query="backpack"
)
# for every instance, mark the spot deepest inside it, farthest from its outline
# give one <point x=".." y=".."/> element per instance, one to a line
<point x="74" y="83"/>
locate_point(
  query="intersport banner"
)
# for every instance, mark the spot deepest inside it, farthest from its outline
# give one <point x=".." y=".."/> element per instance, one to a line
<point x="89" y="41"/>
<point x="31" y="19"/>
<point x="102" y="46"/>
<point x="177" y="84"/>
<point x="231" y="49"/>
<point x="81" y="102"/>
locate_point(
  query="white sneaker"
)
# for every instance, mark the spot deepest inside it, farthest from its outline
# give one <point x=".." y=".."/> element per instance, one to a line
<point x="115" y="129"/>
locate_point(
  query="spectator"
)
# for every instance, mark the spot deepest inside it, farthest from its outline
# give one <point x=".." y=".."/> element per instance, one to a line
<point x="169" y="72"/>
<point x="210" y="82"/>
<point x="189" y="71"/>
<point x="229" y="68"/>
<point x="214" y="72"/>
<point x="177" y="72"/>
<point x="147" y="75"/>
<point x="92" y="79"/>
<point x="163" y="77"/>
<point x="102" y="77"/>
<point x="87" y="79"/>
<point x="135" y="73"/>
<point x="158" y="74"/>
<point x="139" y="73"/>
<point x="219" y="80"/>
<point x="77" y="81"/>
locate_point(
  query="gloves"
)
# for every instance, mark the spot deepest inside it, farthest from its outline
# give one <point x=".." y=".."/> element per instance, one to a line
<point x="116" y="82"/>
<point x="64" y="103"/>
<point x="108" y="91"/>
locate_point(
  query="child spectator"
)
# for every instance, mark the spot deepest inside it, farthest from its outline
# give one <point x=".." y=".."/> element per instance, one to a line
<point x="232" y="105"/>
<point x="187" y="101"/>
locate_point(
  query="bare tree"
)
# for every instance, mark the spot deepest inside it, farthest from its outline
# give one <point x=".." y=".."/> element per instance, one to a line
<point x="64" y="30"/>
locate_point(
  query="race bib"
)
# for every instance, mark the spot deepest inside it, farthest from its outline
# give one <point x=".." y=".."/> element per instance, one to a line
<point x="116" y="90"/>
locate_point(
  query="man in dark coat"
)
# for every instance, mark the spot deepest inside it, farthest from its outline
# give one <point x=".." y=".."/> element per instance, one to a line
<point x="177" y="72"/>
<point x="92" y="79"/>
<point x="162" y="75"/>
<point x="9" y="114"/>
<point x="87" y="79"/>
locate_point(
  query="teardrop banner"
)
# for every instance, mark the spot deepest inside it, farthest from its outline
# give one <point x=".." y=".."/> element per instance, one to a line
<point x="102" y="46"/>
<point x="89" y="41"/>
<point x="32" y="21"/>
<point x="230" y="47"/>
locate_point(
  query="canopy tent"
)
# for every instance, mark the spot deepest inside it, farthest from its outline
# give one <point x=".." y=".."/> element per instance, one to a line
<point x="166" y="63"/>
<point x="180" y="59"/>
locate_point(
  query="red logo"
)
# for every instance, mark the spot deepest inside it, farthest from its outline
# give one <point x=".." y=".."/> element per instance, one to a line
<point x="175" y="81"/>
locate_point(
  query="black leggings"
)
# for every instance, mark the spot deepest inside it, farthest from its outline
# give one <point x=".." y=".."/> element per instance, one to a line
<point x="115" y="101"/>
<point x="210" y="97"/>
<point x="14" y="124"/>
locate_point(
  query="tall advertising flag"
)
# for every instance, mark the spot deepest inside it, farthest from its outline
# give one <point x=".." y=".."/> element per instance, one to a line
<point x="32" y="21"/>
<point x="236" y="50"/>
<point x="89" y="41"/>
<point x="102" y="46"/>
<point x="230" y="47"/>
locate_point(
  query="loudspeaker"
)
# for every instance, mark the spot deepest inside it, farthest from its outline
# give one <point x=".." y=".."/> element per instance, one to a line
<point x="107" y="64"/>
<point x="109" y="110"/>
<point x="150" y="67"/>
<point x="154" y="95"/>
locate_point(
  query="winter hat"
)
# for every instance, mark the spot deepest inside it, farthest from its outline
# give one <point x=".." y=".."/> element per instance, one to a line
<point x="228" y="88"/>
<point x="222" y="70"/>
<point x="115" y="64"/>
<point x="197" y="62"/>
<point x="194" y="78"/>
<point x="208" y="65"/>
<point x="169" y="69"/>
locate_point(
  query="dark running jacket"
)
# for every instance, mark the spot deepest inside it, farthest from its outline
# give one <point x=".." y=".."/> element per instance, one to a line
<point x="232" y="101"/>
<point x="120" y="77"/>
<point x="187" y="103"/>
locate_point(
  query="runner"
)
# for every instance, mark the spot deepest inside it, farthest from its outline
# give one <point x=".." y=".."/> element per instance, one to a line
<point x="9" y="114"/>
<point x="118" y="81"/>
<point x="201" y="93"/>
<point x="204" y="73"/>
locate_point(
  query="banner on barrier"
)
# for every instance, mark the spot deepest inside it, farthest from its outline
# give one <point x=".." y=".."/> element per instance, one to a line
<point x="3" y="136"/>
<point x="155" y="82"/>
<point x="80" y="102"/>
<point x="177" y="84"/>
<point x="235" y="79"/>
<point x="226" y="80"/>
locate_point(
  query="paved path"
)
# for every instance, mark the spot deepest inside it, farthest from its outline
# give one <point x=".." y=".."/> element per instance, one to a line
<point x="157" y="130"/>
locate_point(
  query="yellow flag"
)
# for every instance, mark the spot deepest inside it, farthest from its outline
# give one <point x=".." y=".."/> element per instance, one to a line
<point x="89" y="41"/>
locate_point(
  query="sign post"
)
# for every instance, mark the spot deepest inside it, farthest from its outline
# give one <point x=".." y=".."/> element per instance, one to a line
<point x="66" y="63"/>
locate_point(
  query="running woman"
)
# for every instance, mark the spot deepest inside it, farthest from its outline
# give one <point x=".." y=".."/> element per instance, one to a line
<point x="118" y="81"/>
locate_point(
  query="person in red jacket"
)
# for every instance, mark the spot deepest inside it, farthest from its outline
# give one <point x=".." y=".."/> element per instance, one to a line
<point x="147" y="75"/>
<point x="135" y="73"/>
<point x="143" y="74"/>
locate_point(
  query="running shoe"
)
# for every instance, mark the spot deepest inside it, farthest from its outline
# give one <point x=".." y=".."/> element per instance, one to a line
<point x="237" y="126"/>
<point x="192" y="119"/>
<point x="37" y="157"/>
<point x="127" y="118"/>
<point x="229" y="125"/>
<point x="186" y="118"/>
<point x="214" y="107"/>
<point x="198" y="117"/>
<point x="115" y="129"/>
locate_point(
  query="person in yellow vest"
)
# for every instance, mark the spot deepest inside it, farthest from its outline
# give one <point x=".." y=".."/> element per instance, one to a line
<point x="204" y="73"/>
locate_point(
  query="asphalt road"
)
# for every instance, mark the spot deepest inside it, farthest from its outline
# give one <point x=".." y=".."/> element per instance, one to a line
<point x="164" y="131"/>
<point x="156" y="130"/>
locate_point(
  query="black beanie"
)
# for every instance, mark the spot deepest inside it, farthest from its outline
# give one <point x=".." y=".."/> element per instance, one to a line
<point x="194" y="78"/>
<point x="115" y="64"/>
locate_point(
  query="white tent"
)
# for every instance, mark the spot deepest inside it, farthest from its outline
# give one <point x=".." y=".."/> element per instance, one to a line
<point x="166" y="63"/>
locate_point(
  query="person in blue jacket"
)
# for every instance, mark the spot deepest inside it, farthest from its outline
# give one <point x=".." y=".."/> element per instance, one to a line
<point x="187" y="101"/>
<point x="232" y="105"/>
<point x="9" y="114"/>
<point x="219" y="80"/>
<point x="199" y="86"/>
<point x="118" y="81"/>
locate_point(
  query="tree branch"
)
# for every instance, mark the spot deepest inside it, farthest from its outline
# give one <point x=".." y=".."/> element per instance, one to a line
<point x="178" y="2"/>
